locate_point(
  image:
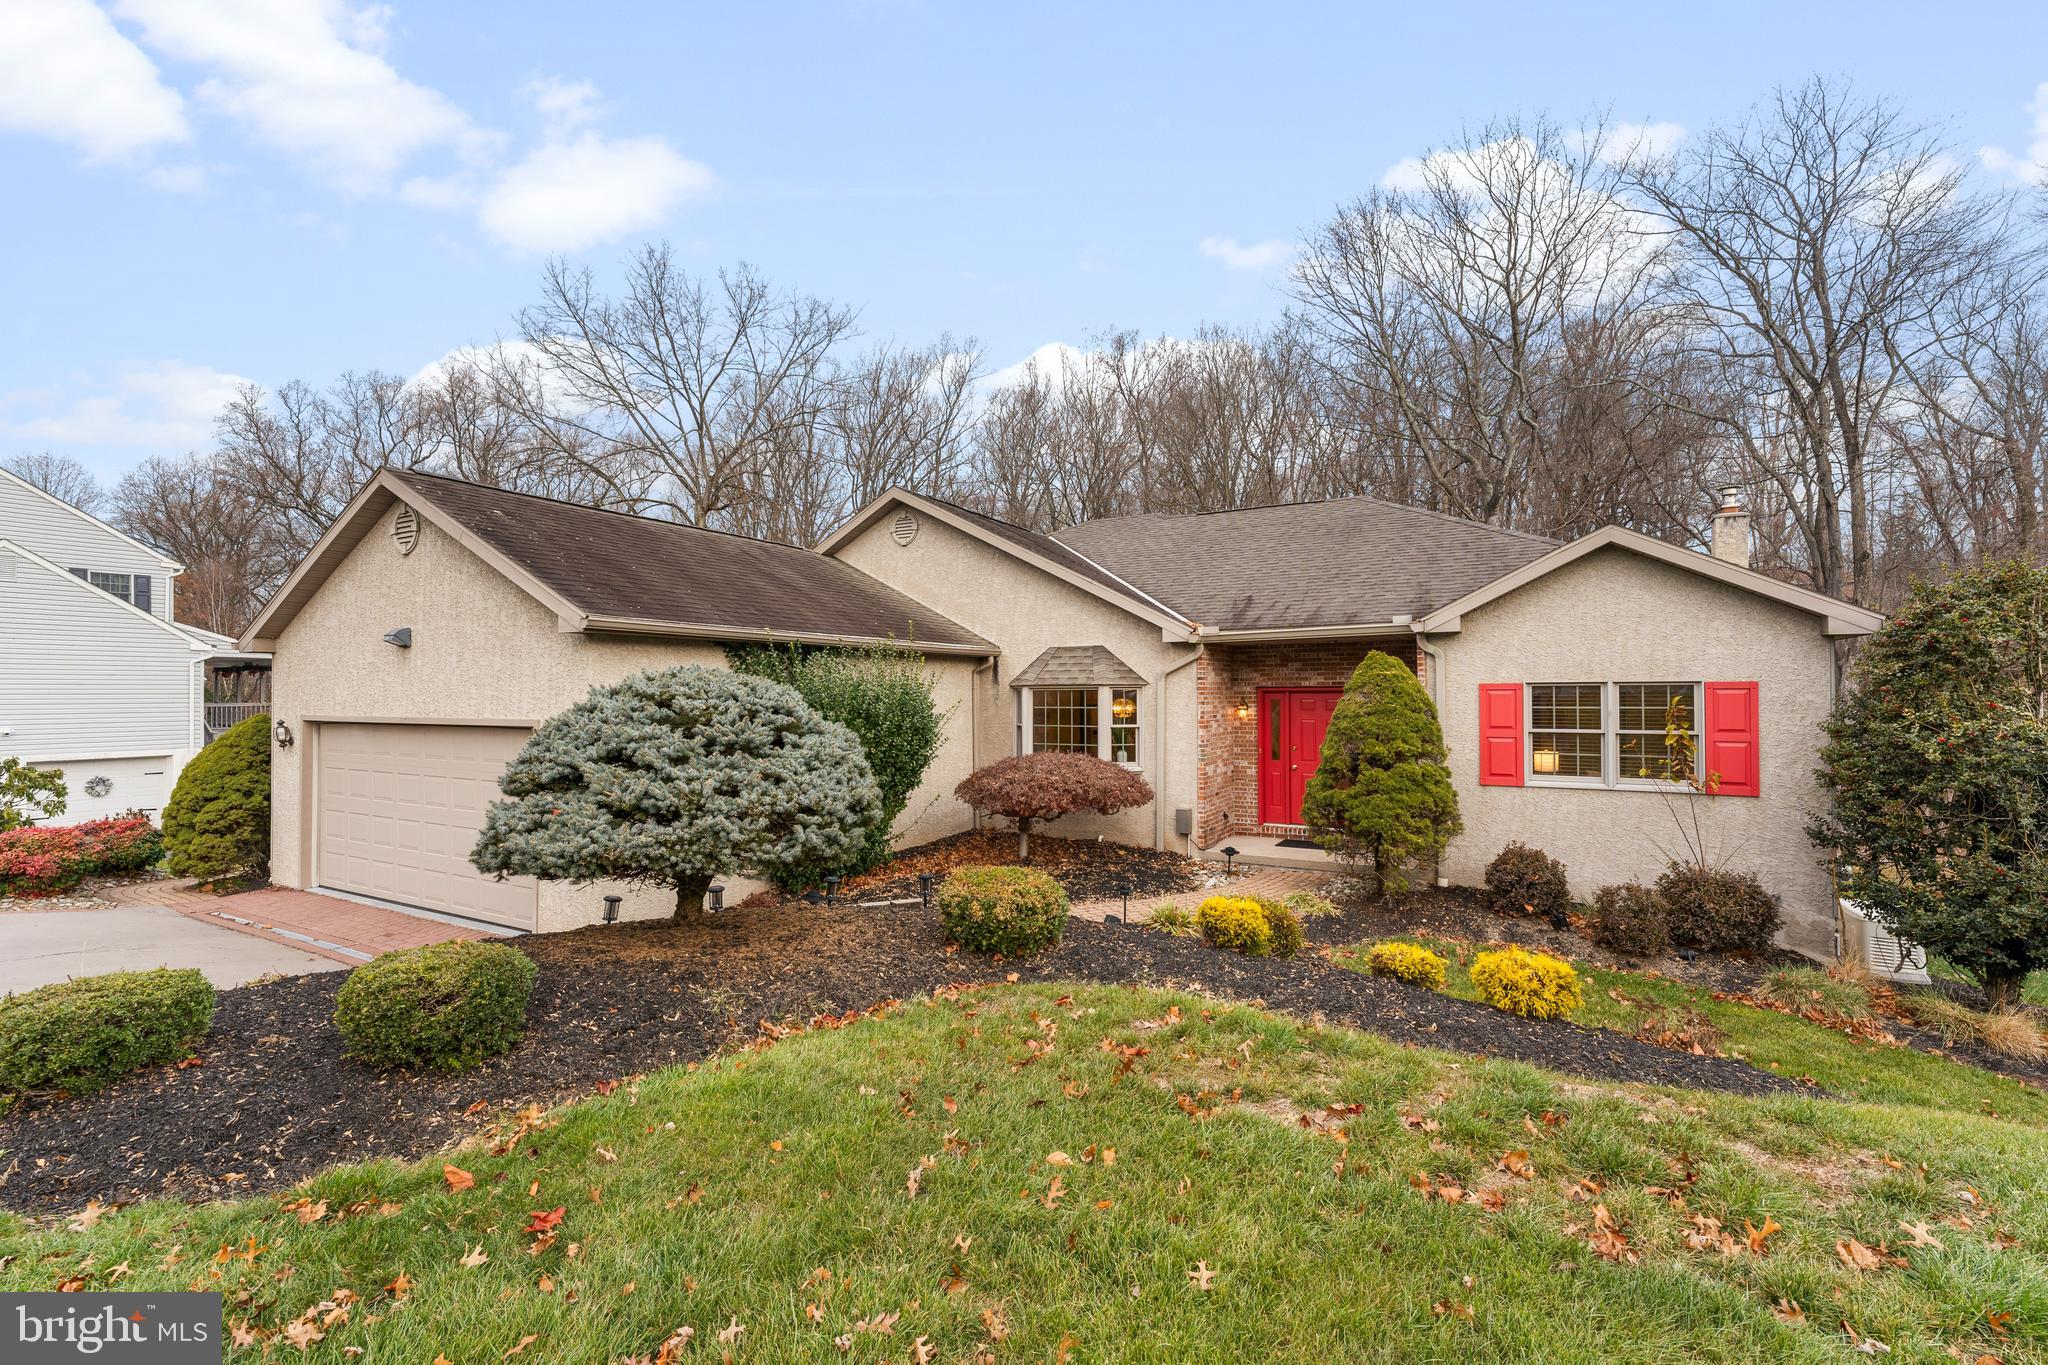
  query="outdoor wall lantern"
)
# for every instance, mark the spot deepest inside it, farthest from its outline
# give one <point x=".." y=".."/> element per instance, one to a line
<point x="611" y="909"/>
<point x="402" y="637"/>
<point x="1244" y="712"/>
<point x="717" y="894"/>
<point x="283" y="734"/>
<point x="1544" y="760"/>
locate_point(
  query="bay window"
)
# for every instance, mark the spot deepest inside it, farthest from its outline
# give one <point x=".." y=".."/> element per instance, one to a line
<point x="1099" y="721"/>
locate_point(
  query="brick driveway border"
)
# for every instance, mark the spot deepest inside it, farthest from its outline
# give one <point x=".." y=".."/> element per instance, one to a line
<point x="329" y="926"/>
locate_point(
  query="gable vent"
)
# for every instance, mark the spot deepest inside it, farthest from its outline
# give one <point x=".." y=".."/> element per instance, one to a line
<point x="904" y="529"/>
<point x="405" y="529"/>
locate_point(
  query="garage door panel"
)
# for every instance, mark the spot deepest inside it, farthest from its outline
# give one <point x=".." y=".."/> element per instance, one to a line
<point x="400" y="807"/>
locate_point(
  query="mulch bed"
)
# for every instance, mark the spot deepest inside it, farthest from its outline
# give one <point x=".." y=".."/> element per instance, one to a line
<point x="1089" y="869"/>
<point x="274" y="1101"/>
<point x="1463" y="912"/>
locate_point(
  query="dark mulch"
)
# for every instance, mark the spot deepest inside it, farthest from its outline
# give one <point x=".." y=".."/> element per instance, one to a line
<point x="1089" y="869"/>
<point x="274" y="1100"/>
<point x="1463" y="912"/>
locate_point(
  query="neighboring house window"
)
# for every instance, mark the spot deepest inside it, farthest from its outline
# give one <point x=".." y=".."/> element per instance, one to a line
<point x="1102" y="721"/>
<point x="1606" y="734"/>
<point x="131" y="588"/>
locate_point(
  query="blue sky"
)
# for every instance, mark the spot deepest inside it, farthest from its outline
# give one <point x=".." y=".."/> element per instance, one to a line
<point x="208" y="191"/>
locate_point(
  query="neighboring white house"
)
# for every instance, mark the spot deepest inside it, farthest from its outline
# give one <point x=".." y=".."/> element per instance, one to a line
<point x="96" y="679"/>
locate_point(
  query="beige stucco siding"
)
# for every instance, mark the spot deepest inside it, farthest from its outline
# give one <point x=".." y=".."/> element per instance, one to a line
<point x="482" y="652"/>
<point x="1615" y="616"/>
<point x="1025" y="611"/>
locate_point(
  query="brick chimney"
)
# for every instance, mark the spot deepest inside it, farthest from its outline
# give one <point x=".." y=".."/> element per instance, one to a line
<point x="1731" y="529"/>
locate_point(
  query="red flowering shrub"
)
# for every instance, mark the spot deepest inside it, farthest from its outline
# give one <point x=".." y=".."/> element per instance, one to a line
<point x="1033" y="787"/>
<point x="44" y="860"/>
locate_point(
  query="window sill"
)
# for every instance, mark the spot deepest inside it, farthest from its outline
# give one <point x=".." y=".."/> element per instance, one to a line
<point x="1588" y="784"/>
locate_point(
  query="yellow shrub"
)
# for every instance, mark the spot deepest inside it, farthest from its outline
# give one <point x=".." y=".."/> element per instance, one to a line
<point x="1533" y="985"/>
<point x="1409" y="962"/>
<point x="1238" y="923"/>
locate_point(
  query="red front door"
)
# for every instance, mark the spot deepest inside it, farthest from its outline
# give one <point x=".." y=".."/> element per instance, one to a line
<point x="1292" y="723"/>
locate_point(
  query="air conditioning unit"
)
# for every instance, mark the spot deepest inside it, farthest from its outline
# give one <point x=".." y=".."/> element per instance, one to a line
<point x="1881" y="950"/>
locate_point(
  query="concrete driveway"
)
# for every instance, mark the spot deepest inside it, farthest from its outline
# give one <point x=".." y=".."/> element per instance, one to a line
<point x="41" y="947"/>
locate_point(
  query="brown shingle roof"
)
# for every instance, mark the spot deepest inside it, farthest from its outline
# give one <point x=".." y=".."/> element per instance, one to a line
<point x="1077" y="666"/>
<point x="1350" y="561"/>
<point x="615" y="565"/>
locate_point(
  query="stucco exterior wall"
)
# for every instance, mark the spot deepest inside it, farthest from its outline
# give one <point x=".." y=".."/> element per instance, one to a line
<point x="1025" y="611"/>
<point x="1616" y="616"/>
<point x="482" y="651"/>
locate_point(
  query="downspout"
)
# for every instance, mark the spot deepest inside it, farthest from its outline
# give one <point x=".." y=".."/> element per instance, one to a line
<point x="974" y="717"/>
<point x="1161" y="750"/>
<point x="1436" y="699"/>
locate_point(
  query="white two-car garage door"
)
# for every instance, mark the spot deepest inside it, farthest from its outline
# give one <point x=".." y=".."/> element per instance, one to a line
<point x="399" y="810"/>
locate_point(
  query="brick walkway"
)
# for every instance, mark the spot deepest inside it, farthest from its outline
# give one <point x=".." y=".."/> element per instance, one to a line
<point x="343" y="930"/>
<point x="1271" y="882"/>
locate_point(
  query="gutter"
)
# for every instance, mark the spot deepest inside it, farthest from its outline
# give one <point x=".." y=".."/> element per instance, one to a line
<point x="1161" y="747"/>
<point x="683" y="630"/>
<point x="1397" y="626"/>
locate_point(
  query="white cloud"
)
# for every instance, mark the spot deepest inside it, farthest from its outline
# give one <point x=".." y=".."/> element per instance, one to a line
<point x="1237" y="255"/>
<point x="67" y="73"/>
<point x="1050" y="362"/>
<point x="309" y="78"/>
<point x="2029" y="167"/>
<point x="564" y="104"/>
<point x="164" y="403"/>
<point x="1625" y="140"/>
<point x="567" y="195"/>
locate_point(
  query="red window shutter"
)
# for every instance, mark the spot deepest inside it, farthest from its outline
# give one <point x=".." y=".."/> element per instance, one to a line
<point x="1500" y="734"/>
<point x="1729" y="746"/>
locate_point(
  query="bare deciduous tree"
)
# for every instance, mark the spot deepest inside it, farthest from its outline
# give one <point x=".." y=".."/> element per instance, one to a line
<point x="61" y="477"/>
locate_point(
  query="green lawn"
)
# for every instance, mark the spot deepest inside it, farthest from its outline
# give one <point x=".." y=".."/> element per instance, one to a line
<point x="1853" y="1067"/>
<point x="773" y="1192"/>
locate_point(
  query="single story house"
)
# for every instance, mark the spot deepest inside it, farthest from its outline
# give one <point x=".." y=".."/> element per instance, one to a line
<point x="1205" y="651"/>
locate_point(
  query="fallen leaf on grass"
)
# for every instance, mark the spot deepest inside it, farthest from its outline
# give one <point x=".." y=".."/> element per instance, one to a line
<point x="1058" y="1159"/>
<point x="524" y="1342"/>
<point x="86" y="1217"/>
<point x="474" y="1257"/>
<point x="1857" y="1256"/>
<point x="1757" y="1236"/>
<point x="1789" y="1312"/>
<point x="1516" y="1164"/>
<point x="1448" y="1308"/>
<point x="1202" y="1276"/>
<point x="1054" y="1193"/>
<point x="1869" y="1346"/>
<point x="731" y="1332"/>
<point x="400" y="1287"/>
<point x="457" y="1178"/>
<point x="1921" y="1236"/>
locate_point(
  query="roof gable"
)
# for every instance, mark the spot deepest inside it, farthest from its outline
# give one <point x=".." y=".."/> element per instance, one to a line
<point x="24" y="486"/>
<point x="1838" y="618"/>
<point x="615" y="572"/>
<point x="1032" y="547"/>
<point x="1078" y="666"/>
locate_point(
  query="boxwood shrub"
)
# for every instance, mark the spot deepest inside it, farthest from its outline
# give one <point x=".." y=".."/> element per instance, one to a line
<point x="1718" y="911"/>
<point x="447" y="1005"/>
<point x="1630" y="918"/>
<point x="1011" y="910"/>
<point x="1527" y="881"/>
<point x="80" y="1035"/>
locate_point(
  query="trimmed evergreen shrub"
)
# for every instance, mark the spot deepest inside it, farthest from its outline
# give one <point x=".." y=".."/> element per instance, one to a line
<point x="883" y="693"/>
<point x="1717" y="911"/>
<point x="675" y="777"/>
<point x="1533" y="985"/>
<point x="1285" y="927"/>
<point x="217" y="823"/>
<point x="447" y="1006"/>
<point x="1937" y="763"/>
<point x="1238" y="923"/>
<point x="1409" y="962"/>
<point x="1630" y="918"/>
<point x="80" y="1035"/>
<point x="1527" y="881"/>
<point x="1008" y="910"/>
<point x="1381" y="796"/>
<point x="1028" y="788"/>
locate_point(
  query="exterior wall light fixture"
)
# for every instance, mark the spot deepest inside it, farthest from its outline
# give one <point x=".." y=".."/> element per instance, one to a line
<point x="282" y="733"/>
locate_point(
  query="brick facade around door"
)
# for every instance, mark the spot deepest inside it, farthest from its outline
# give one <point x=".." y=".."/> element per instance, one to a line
<point x="1230" y="677"/>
